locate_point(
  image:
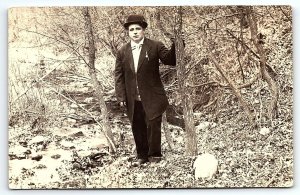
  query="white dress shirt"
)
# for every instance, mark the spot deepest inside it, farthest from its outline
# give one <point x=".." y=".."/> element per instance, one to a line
<point x="136" y="51"/>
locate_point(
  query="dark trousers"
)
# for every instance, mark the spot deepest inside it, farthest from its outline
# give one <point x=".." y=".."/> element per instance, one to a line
<point x="146" y="133"/>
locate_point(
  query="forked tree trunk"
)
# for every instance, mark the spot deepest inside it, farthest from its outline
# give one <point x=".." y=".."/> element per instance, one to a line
<point x="272" y="111"/>
<point x="97" y="86"/>
<point x="185" y="91"/>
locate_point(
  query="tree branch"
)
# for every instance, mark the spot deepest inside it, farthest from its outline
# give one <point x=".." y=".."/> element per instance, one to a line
<point x="251" y="50"/>
<point x="89" y="113"/>
<point x="35" y="81"/>
<point x="71" y="47"/>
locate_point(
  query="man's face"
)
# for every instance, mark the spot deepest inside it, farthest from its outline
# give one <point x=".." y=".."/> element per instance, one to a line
<point x="136" y="32"/>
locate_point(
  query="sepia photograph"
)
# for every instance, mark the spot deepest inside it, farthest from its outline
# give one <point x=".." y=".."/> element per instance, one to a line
<point x="154" y="97"/>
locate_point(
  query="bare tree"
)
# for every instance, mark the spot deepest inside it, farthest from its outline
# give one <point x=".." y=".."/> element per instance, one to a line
<point x="184" y="89"/>
<point x="256" y="38"/>
<point x="98" y="88"/>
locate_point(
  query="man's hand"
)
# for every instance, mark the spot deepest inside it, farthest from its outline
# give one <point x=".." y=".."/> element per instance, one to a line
<point x="183" y="39"/>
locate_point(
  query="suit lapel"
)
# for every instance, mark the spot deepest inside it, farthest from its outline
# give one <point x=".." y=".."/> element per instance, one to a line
<point x="144" y="53"/>
<point x="130" y="57"/>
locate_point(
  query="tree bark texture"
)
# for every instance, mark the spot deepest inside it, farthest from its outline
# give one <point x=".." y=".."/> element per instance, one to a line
<point x="272" y="111"/>
<point x="98" y="87"/>
<point x="185" y="91"/>
<point x="167" y="132"/>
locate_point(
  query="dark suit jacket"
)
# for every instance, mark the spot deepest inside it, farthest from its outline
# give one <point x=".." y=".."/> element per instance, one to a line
<point x="152" y="93"/>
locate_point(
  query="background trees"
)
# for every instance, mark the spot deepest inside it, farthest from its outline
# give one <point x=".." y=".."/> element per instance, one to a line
<point x="233" y="80"/>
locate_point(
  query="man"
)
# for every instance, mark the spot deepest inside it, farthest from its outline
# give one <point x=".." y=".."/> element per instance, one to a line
<point x="138" y="87"/>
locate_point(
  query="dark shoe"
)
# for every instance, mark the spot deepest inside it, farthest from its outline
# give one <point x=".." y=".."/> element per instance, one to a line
<point x="140" y="161"/>
<point x="155" y="159"/>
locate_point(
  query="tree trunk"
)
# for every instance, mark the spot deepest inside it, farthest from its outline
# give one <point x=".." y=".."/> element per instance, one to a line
<point x="272" y="111"/>
<point x="167" y="132"/>
<point x="98" y="87"/>
<point x="185" y="91"/>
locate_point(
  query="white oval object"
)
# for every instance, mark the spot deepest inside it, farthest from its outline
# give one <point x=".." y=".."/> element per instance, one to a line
<point x="205" y="166"/>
